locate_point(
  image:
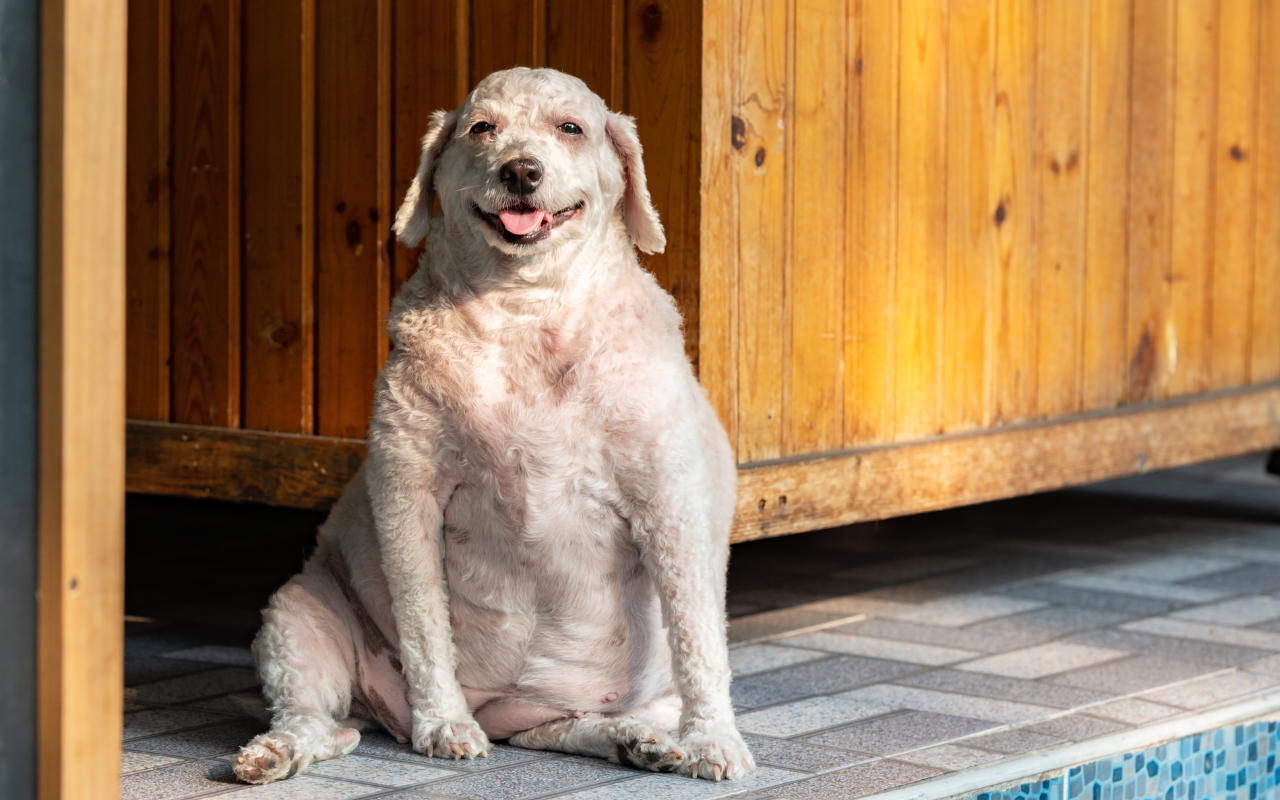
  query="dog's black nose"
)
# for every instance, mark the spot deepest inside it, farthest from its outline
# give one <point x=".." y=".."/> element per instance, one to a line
<point x="521" y="175"/>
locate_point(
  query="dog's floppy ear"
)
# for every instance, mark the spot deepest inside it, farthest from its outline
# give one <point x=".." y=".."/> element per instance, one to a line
<point x="414" y="217"/>
<point x="638" y="212"/>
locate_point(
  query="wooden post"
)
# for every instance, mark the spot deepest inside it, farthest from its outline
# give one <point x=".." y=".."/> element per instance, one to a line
<point x="81" y="425"/>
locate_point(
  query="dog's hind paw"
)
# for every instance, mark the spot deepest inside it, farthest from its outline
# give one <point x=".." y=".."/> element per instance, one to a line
<point x="716" y="751"/>
<point x="267" y="758"/>
<point x="639" y="745"/>
<point x="454" y="739"/>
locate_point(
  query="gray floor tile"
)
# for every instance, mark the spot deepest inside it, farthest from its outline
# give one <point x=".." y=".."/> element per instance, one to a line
<point x="1019" y="740"/>
<point x="193" y="687"/>
<point x="950" y="757"/>
<point x="377" y="771"/>
<point x="761" y="657"/>
<point x="747" y="695"/>
<point x="888" y="649"/>
<point x="137" y="762"/>
<point x="1076" y="727"/>
<point x="165" y="720"/>
<point x="773" y="623"/>
<point x="999" y="687"/>
<point x="1251" y="578"/>
<point x="827" y="676"/>
<point x="303" y="787"/>
<point x="855" y="781"/>
<point x="1046" y="624"/>
<point x="1214" y="633"/>
<point x="156" y="668"/>
<point x="182" y="780"/>
<point x="1100" y="601"/>
<point x="909" y="568"/>
<point x="803" y="756"/>
<point x="1038" y="661"/>
<point x="1136" y="642"/>
<point x="1211" y="691"/>
<point x="898" y="733"/>
<point x="377" y="743"/>
<point x="1135" y="674"/>
<point x="674" y="787"/>
<point x="202" y="742"/>
<point x="531" y="780"/>
<point x="1132" y="711"/>
<point x="959" y="638"/>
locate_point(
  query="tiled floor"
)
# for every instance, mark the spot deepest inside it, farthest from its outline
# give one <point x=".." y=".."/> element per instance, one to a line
<point x="864" y="659"/>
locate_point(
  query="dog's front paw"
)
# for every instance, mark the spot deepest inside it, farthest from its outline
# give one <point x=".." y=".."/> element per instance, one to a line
<point x="267" y="758"/>
<point x="716" y="751"/>
<point x="449" y="738"/>
<point x="642" y="746"/>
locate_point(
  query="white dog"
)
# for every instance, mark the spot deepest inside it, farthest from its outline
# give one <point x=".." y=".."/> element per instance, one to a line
<point x="536" y="548"/>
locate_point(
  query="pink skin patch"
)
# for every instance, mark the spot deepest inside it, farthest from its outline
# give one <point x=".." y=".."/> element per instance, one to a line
<point x="521" y="222"/>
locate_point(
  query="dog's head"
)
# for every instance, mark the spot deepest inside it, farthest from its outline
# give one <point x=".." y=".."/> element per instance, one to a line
<point x="532" y="159"/>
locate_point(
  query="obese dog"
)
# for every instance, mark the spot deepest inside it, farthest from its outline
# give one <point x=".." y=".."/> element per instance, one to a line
<point x="536" y="546"/>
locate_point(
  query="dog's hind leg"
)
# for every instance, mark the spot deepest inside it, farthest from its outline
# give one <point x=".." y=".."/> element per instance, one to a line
<point x="621" y="739"/>
<point x="305" y="656"/>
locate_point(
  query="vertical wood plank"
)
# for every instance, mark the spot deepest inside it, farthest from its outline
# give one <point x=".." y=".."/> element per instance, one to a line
<point x="502" y="35"/>
<point x="1187" y="345"/>
<point x="206" y="214"/>
<point x="350" y="284"/>
<point x="871" y="322"/>
<point x="922" y="226"/>
<point x="278" y="278"/>
<point x="426" y="64"/>
<point x="1012" y="210"/>
<point x="1151" y="193"/>
<point x="970" y="122"/>
<point x="1265" y="343"/>
<point x="83" y="118"/>
<point x="147" y="212"/>
<point x="818" y="222"/>
<point x="759" y="141"/>
<point x="664" y="94"/>
<point x="1234" y="227"/>
<point x="718" y="235"/>
<point x="580" y="42"/>
<point x="1060" y="204"/>
<point x="1106" y="237"/>
<point x="384" y="241"/>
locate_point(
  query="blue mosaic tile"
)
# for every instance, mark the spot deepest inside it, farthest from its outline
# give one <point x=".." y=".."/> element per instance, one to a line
<point x="1036" y="790"/>
<point x="1235" y="763"/>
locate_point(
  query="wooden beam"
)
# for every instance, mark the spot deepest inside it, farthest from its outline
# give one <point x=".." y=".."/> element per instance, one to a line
<point x="82" y="403"/>
<point x="824" y="492"/>
<point x="241" y="466"/>
<point x="878" y="482"/>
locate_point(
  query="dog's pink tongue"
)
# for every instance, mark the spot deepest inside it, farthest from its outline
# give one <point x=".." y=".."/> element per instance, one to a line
<point x="520" y="223"/>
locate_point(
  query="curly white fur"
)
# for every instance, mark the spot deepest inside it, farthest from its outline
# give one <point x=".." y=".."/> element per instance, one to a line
<point x="536" y="547"/>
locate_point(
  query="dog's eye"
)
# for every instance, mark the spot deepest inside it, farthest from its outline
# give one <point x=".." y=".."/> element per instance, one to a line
<point x="481" y="127"/>
<point x="571" y="129"/>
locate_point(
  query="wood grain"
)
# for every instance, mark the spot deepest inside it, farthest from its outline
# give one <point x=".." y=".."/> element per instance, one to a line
<point x="426" y="64"/>
<point x="577" y="43"/>
<point x="1234" y="193"/>
<point x="816" y="278"/>
<point x="80" y="648"/>
<point x="891" y="480"/>
<point x="279" y="342"/>
<point x="147" y="209"/>
<point x="240" y="466"/>
<point x="206" y="212"/>
<point x="760" y="155"/>
<point x="502" y="35"/>
<point x="350" y="283"/>
<point x="871" y="285"/>
<point x="664" y="49"/>
<point x="1060" y="204"/>
<point x="718" y="199"/>
<point x="1012" y="208"/>
<point x="1264" y="362"/>
<point x="970" y="129"/>
<point x="1190" y="283"/>
<point x="1105" y="367"/>
<point x="1150" y="199"/>
<point x="922" y="220"/>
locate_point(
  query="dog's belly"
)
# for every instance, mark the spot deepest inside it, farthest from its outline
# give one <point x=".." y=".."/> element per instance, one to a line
<point x="557" y="612"/>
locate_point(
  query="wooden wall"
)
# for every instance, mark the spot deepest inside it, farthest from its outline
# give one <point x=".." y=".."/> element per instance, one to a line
<point x="952" y="215"/>
<point x="270" y="144"/>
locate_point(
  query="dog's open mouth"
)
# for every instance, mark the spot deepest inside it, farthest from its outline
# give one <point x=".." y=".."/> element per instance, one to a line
<point x="525" y="224"/>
